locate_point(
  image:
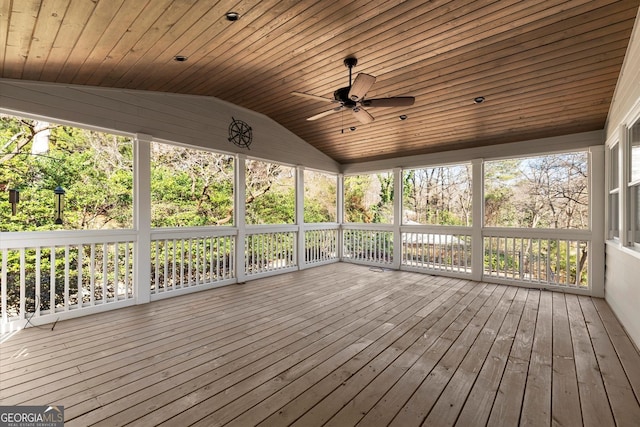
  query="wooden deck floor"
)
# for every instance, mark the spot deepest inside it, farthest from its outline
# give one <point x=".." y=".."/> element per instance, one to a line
<point x="337" y="345"/>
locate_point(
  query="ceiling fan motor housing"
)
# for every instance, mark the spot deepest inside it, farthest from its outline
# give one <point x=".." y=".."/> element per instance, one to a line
<point x="342" y="95"/>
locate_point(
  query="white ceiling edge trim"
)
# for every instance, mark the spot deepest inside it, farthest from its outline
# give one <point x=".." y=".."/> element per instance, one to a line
<point x="193" y="120"/>
<point x="576" y="141"/>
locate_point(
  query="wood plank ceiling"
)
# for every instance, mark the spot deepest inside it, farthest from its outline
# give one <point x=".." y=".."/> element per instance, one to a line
<point x="545" y="68"/>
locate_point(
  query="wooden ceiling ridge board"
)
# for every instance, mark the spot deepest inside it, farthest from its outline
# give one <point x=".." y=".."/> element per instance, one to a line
<point x="44" y="34"/>
<point x="128" y="41"/>
<point x="97" y="23"/>
<point x="190" y="33"/>
<point x="130" y="57"/>
<point x="226" y="42"/>
<point x="22" y="15"/>
<point x="129" y="15"/>
<point x="162" y="49"/>
<point x="224" y="62"/>
<point x="73" y="23"/>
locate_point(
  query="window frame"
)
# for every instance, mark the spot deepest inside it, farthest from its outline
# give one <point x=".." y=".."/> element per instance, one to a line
<point x="613" y="192"/>
<point x="632" y="185"/>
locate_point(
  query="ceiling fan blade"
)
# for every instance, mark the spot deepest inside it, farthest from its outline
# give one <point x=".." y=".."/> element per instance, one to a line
<point x="314" y="97"/>
<point x="326" y="113"/>
<point x="362" y="115"/>
<point x="397" y="101"/>
<point x="360" y="86"/>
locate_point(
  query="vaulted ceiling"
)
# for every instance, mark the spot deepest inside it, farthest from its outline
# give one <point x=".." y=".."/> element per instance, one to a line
<point x="544" y="68"/>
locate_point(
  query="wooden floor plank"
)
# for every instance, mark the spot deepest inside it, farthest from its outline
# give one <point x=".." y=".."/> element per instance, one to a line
<point x="624" y="403"/>
<point x="337" y="345"/>
<point x="626" y="351"/>
<point x="508" y="403"/>
<point x="477" y="408"/>
<point x="596" y="411"/>
<point x="536" y="404"/>
<point x="290" y="409"/>
<point x="565" y="399"/>
<point x="354" y="410"/>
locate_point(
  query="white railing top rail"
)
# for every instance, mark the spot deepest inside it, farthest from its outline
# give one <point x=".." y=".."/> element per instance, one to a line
<point x="436" y="229"/>
<point x="543" y="233"/>
<point x="270" y="228"/>
<point x="30" y="239"/>
<point x="321" y="226"/>
<point x="368" y="227"/>
<point x="186" y="232"/>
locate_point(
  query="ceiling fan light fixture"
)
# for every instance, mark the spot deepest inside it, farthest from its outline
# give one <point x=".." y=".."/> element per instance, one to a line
<point x="232" y="16"/>
<point x="478" y="100"/>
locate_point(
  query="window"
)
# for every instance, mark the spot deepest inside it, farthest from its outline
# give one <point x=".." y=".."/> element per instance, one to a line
<point x="190" y="187"/>
<point x="634" y="184"/>
<point x="614" y="193"/>
<point x="538" y="192"/>
<point x="369" y="198"/>
<point x="271" y="195"/>
<point x="437" y="195"/>
<point x="320" y="197"/>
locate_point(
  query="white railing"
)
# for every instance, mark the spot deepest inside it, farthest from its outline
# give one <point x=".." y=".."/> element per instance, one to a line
<point x="320" y="243"/>
<point x="556" y="258"/>
<point x="437" y="248"/>
<point x="365" y="244"/>
<point x="49" y="275"/>
<point x="191" y="258"/>
<point x="269" y="248"/>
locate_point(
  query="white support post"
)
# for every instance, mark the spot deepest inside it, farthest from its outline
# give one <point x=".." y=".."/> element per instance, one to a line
<point x="142" y="217"/>
<point x="597" y="192"/>
<point x="301" y="250"/>
<point x="340" y="213"/>
<point x="477" y="244"/>
<point x="239" y="203"/>
<point x="397" y="218"/>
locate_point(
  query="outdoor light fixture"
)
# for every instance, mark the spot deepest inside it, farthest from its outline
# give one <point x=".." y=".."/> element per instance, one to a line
<point x="14" y="199"/>
<point x="352" y="128"/>
<point x="403" y="117"/>
<point x="180" y="58"/>
<point x="478" y="100"/>
<point x="232" y="16"/>
<point x="59" y="204"/>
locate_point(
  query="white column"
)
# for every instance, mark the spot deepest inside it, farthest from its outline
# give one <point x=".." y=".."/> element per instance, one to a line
<point x="142" y="217"/>
<point x="397" y="218"/>
<point x="477" y="246"/>
<point x="239" y="203"/>
<point x="301" y="250"/>
<point x="340" y="212"/>
<point x="597" y="192"/>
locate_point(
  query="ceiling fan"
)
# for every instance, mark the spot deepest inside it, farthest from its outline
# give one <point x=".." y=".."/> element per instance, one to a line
<point x="353" y="97"/>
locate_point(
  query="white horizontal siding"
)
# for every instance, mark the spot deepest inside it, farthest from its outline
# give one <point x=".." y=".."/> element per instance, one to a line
<point x="186" y="119"/>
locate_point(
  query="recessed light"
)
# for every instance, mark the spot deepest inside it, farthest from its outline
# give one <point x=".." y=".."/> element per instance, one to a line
<point x="352" y="128"/>
<point x="179" y="58"/>
<point x="232" y="16"/>
<point x="478" y="99"/>
<point x="403" y="117"/>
